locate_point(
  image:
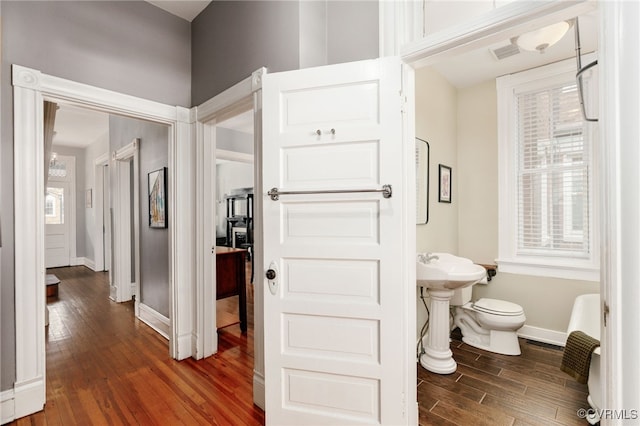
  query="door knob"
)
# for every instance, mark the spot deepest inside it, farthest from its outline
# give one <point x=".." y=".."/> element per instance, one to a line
<point x="271" y="274"/>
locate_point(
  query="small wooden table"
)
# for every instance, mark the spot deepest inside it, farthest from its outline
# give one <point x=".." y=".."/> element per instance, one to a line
<point x="231" y="279"/>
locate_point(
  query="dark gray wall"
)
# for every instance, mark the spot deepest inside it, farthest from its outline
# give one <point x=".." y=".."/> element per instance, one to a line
<point x="130" y="47"/>
<point x="154" y="242"/>
<point x="232" y="39"/>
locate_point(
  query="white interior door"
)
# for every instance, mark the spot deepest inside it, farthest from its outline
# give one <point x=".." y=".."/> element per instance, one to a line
<point x="57" y="224"/>
<point x="337" y="304"/>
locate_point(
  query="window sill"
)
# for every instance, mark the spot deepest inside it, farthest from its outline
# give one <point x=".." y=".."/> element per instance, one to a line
<point x="576" y="271"/>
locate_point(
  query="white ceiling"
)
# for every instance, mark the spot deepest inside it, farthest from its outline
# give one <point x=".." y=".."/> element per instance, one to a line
<point x="185" y="9"/>
<point x="478" y="66"/>
<point x="240" y="123"/>
<point x="77" y="127"/>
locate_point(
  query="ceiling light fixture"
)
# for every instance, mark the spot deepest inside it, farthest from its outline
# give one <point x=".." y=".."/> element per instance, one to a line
<point x="542" y="38"/>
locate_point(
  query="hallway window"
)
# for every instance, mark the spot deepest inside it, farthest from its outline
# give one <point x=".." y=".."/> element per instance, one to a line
<point x="546" y="185"/>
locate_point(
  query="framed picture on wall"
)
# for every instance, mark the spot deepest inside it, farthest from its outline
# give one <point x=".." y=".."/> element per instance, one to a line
<point x="444" y="194"/>
<point x="158" y="198"/>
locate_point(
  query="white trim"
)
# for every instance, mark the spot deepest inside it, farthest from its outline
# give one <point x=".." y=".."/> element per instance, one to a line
<point x="244" y="96"/>
<point x="99" y="209"/>
<point x="620" y="210"/>
<point x="154" y="319"/>
<point x="258" y="389"/>
<point x="509" y="260"/>
<point x="242" y="157"/>
<point x="122" y="226"/>
<point x="182" y="233"/>
<point x="500" y="24"/>
<point x="236" y="99"/>
<point x="258" y="257"/>
<point x="83" y="261"/>
<point x="544" y="335"/>
<point x="28" y="396"/>
<point x="31" y="89"/>
<point x="29" y="238"/>
<point x="7" y="407"/>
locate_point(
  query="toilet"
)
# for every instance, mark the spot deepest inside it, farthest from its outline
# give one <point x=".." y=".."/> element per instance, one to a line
<point x="488" y="324"/>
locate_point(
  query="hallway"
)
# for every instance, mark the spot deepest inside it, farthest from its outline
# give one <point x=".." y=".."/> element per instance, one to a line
<point x="106" y="367"/>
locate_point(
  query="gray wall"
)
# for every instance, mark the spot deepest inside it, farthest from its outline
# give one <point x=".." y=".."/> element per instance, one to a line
<point x="233" y="140"/>
<point x="129" y="47"/>
<point x="154" y="242"/>
<point x="231" y="39"/>
<point x="352" y="31"/>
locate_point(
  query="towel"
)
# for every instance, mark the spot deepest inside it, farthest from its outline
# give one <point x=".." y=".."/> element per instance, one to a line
<point x="576" y="358"/>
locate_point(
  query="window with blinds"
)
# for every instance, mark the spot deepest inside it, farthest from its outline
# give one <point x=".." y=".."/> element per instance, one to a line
<point x="546" y="199"/>
<point x="552" y="169"/>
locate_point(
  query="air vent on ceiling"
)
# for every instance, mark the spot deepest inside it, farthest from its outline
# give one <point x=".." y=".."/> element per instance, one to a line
<point x="504" y="52"/>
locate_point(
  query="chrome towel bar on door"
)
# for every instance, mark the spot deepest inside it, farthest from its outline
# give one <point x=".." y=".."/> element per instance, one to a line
<point x="275" y="194"/>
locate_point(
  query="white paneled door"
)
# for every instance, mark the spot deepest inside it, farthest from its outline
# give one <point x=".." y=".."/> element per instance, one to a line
<point x="57" y="218"/>
<point x="336" y="340"/>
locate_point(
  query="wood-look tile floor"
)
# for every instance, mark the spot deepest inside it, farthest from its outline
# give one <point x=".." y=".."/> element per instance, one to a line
<point x="493" y="389"/>
<point x="106" y="367"/>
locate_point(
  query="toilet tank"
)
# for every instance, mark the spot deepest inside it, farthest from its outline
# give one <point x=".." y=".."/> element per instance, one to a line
<point x="461" y="296"/>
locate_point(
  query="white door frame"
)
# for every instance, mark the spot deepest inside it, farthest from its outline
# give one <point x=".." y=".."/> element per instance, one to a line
<point x="122" y="209"/>
<point x="619" y="128"/>
<point x="70" y="179"/>
<point x="244" y="96"/>
<point x="100" y="230"/>
<point x="31" y="88"/>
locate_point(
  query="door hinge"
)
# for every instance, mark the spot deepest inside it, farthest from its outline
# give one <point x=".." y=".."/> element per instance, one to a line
<point x="605" y="312"/>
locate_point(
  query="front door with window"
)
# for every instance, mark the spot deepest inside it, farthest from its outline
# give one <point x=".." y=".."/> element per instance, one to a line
<point x="58" y="212"/>
<point x="336" y="298"/>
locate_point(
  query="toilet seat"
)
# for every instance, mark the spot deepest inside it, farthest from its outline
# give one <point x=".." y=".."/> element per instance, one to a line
<point x="498" y="307"/>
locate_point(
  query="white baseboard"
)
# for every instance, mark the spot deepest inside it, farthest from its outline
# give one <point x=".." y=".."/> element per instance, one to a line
<point x="7" y="407"/>
<point x="543" y="335"/>
<point x="185" y="347"/>
<point x="83" y="261"/>
<point x="258" y="390"/>
<point x="28" y="397"/>
<point x="155" y="320"/>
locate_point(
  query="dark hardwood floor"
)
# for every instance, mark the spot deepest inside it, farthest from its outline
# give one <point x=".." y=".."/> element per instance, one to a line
<point x="106" y="367"/>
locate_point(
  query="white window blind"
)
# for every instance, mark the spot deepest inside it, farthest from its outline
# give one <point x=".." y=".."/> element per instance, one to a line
<point x="553" y="172"/>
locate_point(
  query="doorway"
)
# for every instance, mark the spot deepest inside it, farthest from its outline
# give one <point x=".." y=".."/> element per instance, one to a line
<point x="30" y="88"/>
<point x="234" y="195"/>
<point x="60" y="220"/>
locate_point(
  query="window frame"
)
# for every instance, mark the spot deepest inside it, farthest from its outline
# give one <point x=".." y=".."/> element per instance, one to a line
<point x="509" y="260"/>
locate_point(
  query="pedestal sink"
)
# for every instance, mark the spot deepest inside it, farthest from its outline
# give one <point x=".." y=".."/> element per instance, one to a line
<point x="441" y="274"/>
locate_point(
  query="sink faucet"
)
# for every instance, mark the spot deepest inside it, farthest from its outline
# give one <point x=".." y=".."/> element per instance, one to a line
<point x="431" y="256"/>
<point x="427" y="257"/>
